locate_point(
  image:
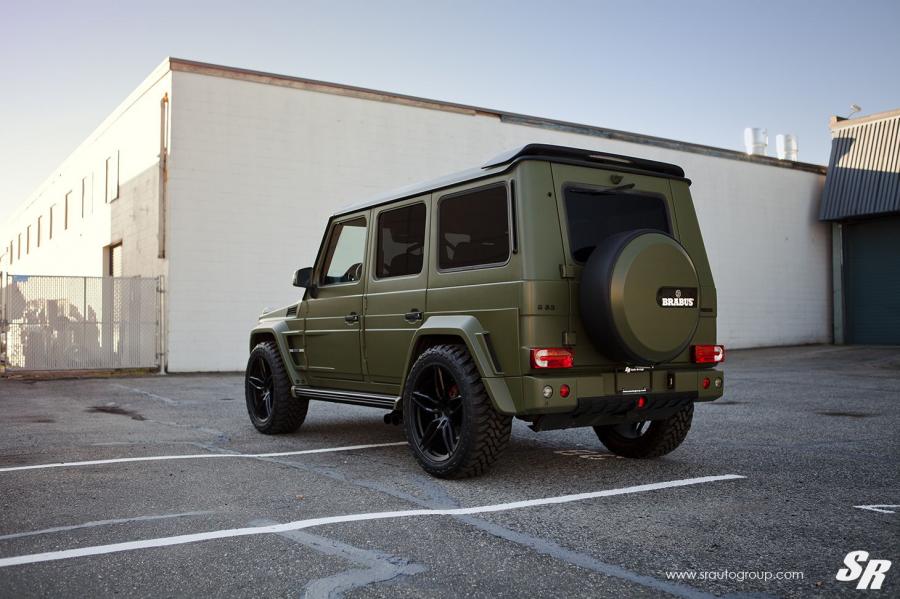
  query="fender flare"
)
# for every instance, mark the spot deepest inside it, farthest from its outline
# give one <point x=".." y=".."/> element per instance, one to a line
<point x="275" y="330"/>
<point x="470" y="331"/>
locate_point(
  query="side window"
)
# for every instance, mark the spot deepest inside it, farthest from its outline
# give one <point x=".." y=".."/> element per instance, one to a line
<point x="473" y="228"/>
<point x="346" y="248"/>
<point x="401" y="241"/>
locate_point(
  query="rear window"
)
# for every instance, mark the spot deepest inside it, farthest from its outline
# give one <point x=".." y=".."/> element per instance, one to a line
<point x="473" y="228"/>
<point x="401" y="241"/>
<point x="594" y="216"/>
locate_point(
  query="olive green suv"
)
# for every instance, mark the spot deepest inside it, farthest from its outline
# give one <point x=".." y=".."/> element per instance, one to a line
<point x="563" y="287"/>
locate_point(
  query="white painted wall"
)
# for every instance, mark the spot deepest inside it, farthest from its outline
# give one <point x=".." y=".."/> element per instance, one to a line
<point x="129" y="135"/>
<point x="255" y="171"/>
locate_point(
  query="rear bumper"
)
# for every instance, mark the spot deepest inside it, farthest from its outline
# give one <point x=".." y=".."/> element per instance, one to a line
<point x="610" y="398"/>
<point x="615" y="409"/>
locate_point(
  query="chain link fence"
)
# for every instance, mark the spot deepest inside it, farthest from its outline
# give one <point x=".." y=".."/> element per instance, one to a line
<point x="80" y="323"/>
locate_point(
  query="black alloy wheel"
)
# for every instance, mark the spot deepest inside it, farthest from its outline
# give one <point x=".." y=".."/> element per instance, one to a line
<point x="259" y="379"/>
<point x="267" y="389"/>
<point x="450" y="422"/>
<point x="437" y="412"/>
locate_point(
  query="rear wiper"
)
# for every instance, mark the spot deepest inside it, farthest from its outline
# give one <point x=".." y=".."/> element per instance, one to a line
<point x="598" y="192"/>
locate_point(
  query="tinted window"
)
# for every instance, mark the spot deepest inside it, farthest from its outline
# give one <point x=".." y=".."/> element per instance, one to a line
<point x="474" y="229"/>
<point x="595" y="216"/>
<point x="401" y="241"/>
<point x="344" y="257"/>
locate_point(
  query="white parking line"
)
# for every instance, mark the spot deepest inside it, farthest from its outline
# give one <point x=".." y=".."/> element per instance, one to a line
<point x="97" y="523"/>
<point x="300" y="524"/>
<point x="881" y="508"/>
<point x="197" y="456"/>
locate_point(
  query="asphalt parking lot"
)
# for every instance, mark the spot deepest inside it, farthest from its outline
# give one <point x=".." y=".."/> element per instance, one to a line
<point x="812" y="432"/>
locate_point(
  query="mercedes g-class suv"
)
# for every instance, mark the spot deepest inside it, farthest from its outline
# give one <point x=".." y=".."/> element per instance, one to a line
<point x="560" y="286"/>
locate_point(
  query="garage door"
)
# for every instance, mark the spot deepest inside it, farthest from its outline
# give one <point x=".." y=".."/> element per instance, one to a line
<point x="872" y="281"/>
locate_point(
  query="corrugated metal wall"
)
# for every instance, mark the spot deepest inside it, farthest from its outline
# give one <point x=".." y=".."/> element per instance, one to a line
<point x="864" y="169"/>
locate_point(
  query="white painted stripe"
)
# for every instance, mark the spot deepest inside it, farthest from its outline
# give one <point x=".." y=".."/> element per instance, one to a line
<point x="300" y="524"/>
<point x="878" y="507"/>
<point x="97" y="523"/>
<point x="197" y="456"/>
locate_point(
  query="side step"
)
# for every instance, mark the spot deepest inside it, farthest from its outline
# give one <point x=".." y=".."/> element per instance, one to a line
<point x="356" y="398"/>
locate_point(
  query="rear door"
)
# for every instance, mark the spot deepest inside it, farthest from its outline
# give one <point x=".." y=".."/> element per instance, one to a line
<point x="395" y="300"/>
<point x="587" y="217"/>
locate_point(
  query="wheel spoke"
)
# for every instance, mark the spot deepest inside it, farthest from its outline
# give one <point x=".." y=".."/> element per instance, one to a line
<point x="430" y="433"/>
<point x="425" y="402"/>
<point x="447" y="435"/>
<point x="257" y="383"/>
<point x="268" y="401"/>
<point x="439" y="385"/>
<point x="454" y="405"/>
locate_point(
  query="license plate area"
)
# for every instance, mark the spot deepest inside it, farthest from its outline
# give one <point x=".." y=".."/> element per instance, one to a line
<point x="633" y="382"/>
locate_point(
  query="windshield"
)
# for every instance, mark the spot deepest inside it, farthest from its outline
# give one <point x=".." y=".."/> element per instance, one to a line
<point x="597" y="214"/>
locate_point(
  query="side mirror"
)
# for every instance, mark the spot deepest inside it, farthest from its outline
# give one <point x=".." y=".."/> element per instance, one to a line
<point x="303" y="277"/>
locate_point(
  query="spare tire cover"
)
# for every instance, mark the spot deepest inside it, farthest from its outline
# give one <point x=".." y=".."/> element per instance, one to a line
<point x="639" y="297"/>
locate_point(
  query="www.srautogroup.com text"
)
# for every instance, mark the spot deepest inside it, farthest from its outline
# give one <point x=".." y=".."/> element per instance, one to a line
<point x="735" y="575"/>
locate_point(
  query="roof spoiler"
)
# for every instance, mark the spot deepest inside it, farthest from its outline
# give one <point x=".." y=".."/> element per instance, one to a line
<point x="551" y="152"/>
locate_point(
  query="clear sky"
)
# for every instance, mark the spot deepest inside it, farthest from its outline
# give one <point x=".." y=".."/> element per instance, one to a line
<point x="692" y="70"/>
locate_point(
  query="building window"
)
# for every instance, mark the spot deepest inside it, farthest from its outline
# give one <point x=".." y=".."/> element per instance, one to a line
<point x="401" y="241"/>
<point x="50" y="224"/>
<point x="27" y="240"/>
<point x="112" y="177"/>
<point x="114" y="260"/>
<point x="84" y="195"/>
<point x="19" y="253"/>
<point x="473" y="228"/>
<point x="11" y="246"/>
<point x="346" y="247"/>
<point x="66" y="211"/>
<point x="40" y="218"/>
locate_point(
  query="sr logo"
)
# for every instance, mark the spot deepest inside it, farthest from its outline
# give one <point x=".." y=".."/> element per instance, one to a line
<point x="869" y="577"/>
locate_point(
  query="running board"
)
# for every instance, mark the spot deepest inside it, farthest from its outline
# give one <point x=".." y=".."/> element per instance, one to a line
<point x="370" y="400"/>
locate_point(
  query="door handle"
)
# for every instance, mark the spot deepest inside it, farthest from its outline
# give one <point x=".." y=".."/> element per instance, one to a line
<point x="414" y="315"/>
<point x="351" y="318"/>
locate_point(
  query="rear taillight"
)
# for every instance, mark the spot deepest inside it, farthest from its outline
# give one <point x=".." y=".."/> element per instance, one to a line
<point x="552" y="357"/>
<point x="708" y="354"/>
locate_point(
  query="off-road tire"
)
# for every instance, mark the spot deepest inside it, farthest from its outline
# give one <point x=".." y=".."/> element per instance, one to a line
<point x="660" y="438"/>
<point x="484" y="433"/>
<point x="287" y="413"/>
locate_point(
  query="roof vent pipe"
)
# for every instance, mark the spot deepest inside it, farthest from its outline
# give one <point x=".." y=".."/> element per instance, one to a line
<point x="786" y="147"/>
<point x="755" y="141"/>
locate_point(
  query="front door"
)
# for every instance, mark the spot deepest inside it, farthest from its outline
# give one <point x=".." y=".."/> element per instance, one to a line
<point x="334" y="317"/>
<point x="395" y="300"/>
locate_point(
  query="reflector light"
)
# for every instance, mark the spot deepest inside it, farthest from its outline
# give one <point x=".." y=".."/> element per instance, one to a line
<point x="564" y="391"/>
<point x="552" y="357"/>
<point x="708" y="354"/>
<point x="641" y="402"/>
<point x="706" y="382"/>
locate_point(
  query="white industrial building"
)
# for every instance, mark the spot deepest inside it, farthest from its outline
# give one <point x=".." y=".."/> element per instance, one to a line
<point x="221" y="180"/>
